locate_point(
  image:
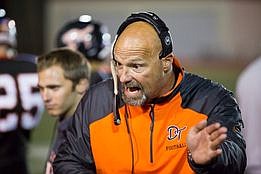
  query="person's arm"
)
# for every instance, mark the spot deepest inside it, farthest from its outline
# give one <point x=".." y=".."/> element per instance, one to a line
<point x="48" y="168"/>
<point x="218" y="148"/>
<point x="74" y="155"/>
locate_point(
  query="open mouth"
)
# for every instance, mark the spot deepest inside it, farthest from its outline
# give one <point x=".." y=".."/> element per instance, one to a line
<point x="132" y="91"/>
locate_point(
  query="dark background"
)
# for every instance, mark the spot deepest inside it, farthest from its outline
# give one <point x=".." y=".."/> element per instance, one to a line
<point x="37" y="22"/>
<point x="28" y="15"/>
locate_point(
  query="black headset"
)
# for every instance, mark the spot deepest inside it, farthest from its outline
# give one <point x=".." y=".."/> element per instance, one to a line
<point x="160" y="27"/>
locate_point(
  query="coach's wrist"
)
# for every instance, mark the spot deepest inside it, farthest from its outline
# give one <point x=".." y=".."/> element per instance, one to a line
<point x="193" y="163"/>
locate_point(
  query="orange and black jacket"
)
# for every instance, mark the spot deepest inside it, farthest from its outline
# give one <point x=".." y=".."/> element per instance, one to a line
<point x="152" y="138"/>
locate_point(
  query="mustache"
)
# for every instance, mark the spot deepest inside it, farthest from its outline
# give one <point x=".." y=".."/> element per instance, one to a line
<point x="132" y="84"/>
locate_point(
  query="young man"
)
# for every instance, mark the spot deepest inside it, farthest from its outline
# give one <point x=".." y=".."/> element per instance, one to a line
<point x="153" y="117"/>
<point x="21" y="105"/>
<point x="63" y="79"/>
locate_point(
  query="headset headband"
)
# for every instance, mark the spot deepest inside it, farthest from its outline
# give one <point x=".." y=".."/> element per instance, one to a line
<point x="158" y="25"/>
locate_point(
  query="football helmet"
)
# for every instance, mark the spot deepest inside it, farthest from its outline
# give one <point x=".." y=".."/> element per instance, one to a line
<point x="7" y="30"/>
<point x="87" y="36"/>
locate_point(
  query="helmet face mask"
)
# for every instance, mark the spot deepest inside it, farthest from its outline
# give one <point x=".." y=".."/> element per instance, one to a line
<point x="73" y="37"/>
<point x="91" y="38"/>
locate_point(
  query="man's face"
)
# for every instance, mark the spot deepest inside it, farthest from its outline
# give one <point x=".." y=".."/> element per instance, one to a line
<point x="137" y="64"/>
<point x="57" y="92"/>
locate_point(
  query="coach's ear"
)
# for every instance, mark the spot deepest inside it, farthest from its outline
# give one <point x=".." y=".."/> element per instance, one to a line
<point x="167" y="62"/>
<point x="82" y="86"/>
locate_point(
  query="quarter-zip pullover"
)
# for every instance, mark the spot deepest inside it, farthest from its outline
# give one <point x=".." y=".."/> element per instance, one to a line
<point x="151" y="138"/>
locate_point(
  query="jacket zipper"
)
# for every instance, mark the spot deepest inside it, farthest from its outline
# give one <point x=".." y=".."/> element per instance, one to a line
<point x="151" y="131"/>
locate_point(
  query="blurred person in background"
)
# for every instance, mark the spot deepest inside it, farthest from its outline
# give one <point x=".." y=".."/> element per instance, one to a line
<point x="92" y="39"/>
<point x="21" y="105"/>
<point x="64" y="77"/>
<point x="249" y="97"/>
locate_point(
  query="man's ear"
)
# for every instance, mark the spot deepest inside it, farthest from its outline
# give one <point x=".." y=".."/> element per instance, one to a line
<point x="167" y="62"/>
<point x="82" y="86"/>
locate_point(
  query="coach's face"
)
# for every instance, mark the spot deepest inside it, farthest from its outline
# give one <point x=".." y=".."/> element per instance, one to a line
<point x="138" y="66"/>
<point x="57" y="92"/>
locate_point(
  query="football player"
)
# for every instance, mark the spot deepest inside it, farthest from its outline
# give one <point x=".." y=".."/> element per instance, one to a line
<point x="21" y="105"/>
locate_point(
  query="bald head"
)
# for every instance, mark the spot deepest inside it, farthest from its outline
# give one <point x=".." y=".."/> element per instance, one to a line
<point x="139" y="37"/>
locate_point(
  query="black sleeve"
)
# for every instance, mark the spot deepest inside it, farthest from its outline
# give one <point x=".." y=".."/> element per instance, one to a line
<point x="233" y="157"/>
<point x="74" y="155"/>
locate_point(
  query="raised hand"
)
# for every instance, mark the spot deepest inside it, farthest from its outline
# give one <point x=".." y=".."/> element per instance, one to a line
<point x="204" y="141"/>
